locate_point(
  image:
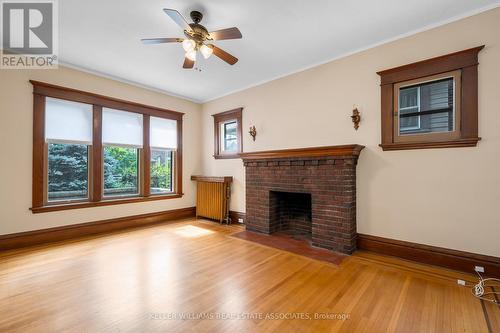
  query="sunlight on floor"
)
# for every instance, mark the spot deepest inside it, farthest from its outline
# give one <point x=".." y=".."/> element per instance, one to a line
<point x="191" y="231"/>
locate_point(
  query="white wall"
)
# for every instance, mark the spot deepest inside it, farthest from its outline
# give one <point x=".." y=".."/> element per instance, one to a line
<point x="441" y="197"/>
<point x="16" y="127"/>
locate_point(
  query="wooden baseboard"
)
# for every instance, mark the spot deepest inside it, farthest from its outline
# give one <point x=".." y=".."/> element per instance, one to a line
<point x="432" y="255"/>
<point x="29" y="238"/>
<point x="237" y="215"/>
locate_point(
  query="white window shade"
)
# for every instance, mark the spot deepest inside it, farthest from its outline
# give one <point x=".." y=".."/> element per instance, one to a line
<point x="67" y="121"/>
<point x="121" y="128"/>
<point x="163" y="133"/>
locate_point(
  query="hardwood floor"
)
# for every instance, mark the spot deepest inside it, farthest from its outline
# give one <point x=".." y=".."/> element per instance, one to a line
<point x="145" y="279"/>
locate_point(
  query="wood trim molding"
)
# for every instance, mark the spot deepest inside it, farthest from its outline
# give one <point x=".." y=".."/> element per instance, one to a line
<point x="345" y="150"/>
<point x="51" y="90"/>
<point x="438" y="144"/>
<point x="437" y="65"/>
<point x="212" y="179"/>
<point x="234" y="215"/>
<point x="108" y="202"/>
<point x="221" y="117"/>
<point x="466" y="63"/>
<point x="38" y="151"/>
<point x="97" y="155"/>
<point x="432" y="255"/>
<point x="146" y="157"/>
<point x="30" y="238"/>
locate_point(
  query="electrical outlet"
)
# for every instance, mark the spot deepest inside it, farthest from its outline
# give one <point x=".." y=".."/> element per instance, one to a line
<point x="461" y="282"/>
<point x="479" y="269"/>
<point x="240" y="220"/>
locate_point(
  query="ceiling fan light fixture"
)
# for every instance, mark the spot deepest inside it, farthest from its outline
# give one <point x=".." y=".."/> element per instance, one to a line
<point x="206" y="51"/>
<point x="188" y="45"/>
<point x="191" y="55"/>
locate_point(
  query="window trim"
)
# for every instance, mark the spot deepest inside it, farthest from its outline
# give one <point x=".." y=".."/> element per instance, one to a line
<point x="235" y="114"/>
<point x="41" y="90"/>
<point x="466" y="63"/>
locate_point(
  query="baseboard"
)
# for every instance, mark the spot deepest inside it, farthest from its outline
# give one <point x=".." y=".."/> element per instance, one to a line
<point x="235" y="216"/>
<point x="37" y="237"/>
<point x="432" y="255"/>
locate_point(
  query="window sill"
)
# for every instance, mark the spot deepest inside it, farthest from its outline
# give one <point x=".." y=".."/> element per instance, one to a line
<point x="105" y="202"/>
<point x="429" y="145"/>
<point x="226" y="156"/>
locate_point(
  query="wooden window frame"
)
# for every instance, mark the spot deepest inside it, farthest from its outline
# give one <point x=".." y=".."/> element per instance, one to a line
<point x="43" y="90"/>
<point x="464" y="64"/>
<point x="235" y="114"/>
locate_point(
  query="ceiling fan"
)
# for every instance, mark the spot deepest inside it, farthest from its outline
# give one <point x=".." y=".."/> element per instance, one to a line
<point x="198" y="38"/>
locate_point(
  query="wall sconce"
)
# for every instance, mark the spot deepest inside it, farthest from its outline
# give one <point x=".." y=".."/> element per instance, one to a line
<point x="356" y="118"/>
<point x="253" y="132"/>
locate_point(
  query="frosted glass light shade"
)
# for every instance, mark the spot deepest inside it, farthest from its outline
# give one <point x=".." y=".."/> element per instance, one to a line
<point x="121" y="128"/>
<point x="188" y="44"/>
<point x="206" y="51"/>
<point x="163" y="133"/>
<point x="191" y="55"/>
<point x="67" y="121"/>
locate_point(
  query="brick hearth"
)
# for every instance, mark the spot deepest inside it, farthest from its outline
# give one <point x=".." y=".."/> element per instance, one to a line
<point x="327" y="174"/>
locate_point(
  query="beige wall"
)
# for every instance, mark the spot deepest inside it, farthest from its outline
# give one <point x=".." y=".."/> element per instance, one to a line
<point x="16" y="113"/>
<point x="441" y="197"/>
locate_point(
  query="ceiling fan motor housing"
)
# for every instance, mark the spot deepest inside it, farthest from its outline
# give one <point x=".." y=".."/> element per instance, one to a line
<point x="198" y="32"/>
<point x="196" y="16"/>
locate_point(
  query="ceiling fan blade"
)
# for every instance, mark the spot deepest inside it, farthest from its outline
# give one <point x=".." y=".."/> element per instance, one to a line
<point x="188" y="63"/>
<point x="224" y="55"/>
<point x="178" y="18"/>
<point x="229" y="33"/>
<point x="161" y="40"/>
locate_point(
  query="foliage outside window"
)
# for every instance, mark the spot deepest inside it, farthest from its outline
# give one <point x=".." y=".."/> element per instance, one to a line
<point x="90" y="150"/>
<point x="121" y="171"/>
<point x="227" y="134"/>
<point x="161" y="171"/>
<point x="68" y="173"/>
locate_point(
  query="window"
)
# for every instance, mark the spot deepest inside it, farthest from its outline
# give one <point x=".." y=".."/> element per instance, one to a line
<point x="68" y="136"/>
<point x="228" y="138"/>
<point x="432" y="103"/>
<point x="163" y="149"/>
<point x="90" y="150"/>
<point x="122" y="140"/>
<point x="428" y="107"/>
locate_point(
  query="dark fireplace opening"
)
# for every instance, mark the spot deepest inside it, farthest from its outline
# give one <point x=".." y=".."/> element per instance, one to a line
<point x="290" y="213"/>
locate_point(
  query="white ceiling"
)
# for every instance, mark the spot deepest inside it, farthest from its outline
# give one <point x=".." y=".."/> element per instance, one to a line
<point x="279" y="37"/>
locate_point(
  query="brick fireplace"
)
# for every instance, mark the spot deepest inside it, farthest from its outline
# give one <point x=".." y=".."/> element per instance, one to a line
<point x="310" y="192"/>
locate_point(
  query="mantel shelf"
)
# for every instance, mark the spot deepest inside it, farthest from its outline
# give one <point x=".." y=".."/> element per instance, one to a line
<point x="344" y="150"/>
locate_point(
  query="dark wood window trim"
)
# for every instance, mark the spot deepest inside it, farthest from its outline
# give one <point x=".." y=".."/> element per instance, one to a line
<point x="235" y="114"/>
<point x="466" y="62"/>
<point x="42" y="90"/>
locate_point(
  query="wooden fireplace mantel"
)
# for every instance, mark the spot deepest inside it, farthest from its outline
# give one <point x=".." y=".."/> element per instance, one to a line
<point x="344" y="150"/>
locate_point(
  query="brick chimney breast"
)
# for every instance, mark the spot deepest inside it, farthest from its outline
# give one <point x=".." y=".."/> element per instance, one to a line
<point x="327" y="174"/>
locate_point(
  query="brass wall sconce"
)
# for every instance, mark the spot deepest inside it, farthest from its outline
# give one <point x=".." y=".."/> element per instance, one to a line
<point x="356" y="118"/>
<point x="253" y="132"/>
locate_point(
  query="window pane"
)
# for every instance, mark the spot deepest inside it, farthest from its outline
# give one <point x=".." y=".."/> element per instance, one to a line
<point x="427" y="108"/>
<point x="230" y="137"/>
<point x="161" y="171"/>
<point x="121" y="167"/>
<point x="67" y="171"/>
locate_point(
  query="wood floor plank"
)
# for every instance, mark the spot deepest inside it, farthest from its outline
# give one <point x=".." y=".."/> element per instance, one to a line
<point x="178" y="277"/>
